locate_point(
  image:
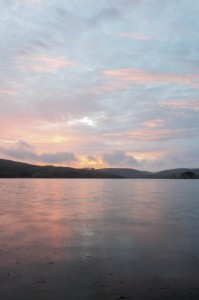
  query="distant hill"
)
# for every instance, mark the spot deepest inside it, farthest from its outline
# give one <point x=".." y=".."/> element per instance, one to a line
<point x="127" y="173"/>
<point x="13" y="169"/>
<point x="180" y="173"/>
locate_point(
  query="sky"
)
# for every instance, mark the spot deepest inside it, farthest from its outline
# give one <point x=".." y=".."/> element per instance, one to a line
<point x="109" y="83"/>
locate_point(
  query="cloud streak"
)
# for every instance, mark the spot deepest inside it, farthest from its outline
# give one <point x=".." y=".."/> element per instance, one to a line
<point x="192" y="104"/>
<point x="43" y="63"/>
<point x="7" y="92"/>
<point x="134" y="36"/>
<point x="142" y="77"/>
<point x="152" y="134"/>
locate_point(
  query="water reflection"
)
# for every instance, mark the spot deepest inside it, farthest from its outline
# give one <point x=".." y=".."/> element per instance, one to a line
<point x="96" y="238"/>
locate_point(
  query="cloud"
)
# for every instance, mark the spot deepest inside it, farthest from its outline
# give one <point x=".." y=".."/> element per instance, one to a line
<point x="25" y="152"/>
<point x="130" y="2"/>
<point x="150" y="134"/>
<point x="20" y="150"/>
<point x="59" y="157"/>
<point x="133" y="35"/>
<point x="92" y="158"/>
<point x="7" y="92"/>
<point x="143" y="77"/>
<point x="43" y="63"/>
<point x="183" y="158"/>
<point x="156" y="123"/>
<point x="186" y="157"/>
<point x="191" y="104"/>
<point x="82" y="121"/>
<point x="28" y="2"/>
<point x="107" y="13"/>
<point x="119" y="158"/>
<point x="94" y="76"/>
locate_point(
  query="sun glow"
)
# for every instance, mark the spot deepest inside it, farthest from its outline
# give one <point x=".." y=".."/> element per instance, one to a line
<point x="59" y="139"/>
<point x="90" y="163"/>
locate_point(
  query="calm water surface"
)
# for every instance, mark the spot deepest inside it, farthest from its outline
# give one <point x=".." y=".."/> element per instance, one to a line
<point x="99" y="239"/>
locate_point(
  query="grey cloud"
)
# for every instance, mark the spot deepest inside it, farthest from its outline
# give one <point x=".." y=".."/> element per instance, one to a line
<point x="92" y="158"/>
<point x="182" y="157"/>
<point x="25" y="152"/>
<point x="119" y="158"/>
<point x="185" y="158"/>
<point x="107" y="13"/>
<point x="21" y="150"/>
<point x="102" y="14"/>
<point x="59" y="157"/>
<point x="69" y="22"/>
<point x="22" y="145"/>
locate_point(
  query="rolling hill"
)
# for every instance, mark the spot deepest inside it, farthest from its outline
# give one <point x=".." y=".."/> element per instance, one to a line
<point x="13" y="169"/>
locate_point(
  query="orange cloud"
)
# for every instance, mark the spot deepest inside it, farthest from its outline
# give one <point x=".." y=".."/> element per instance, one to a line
<point x="43" y="64"/>
<point x="88" y="162"/>
<point x="146" y="77"/>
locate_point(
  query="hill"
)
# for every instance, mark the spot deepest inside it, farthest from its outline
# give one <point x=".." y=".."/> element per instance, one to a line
<point x="13" y="169"/>
<point x="181" y="173"/>
<point x="127" y="173"/>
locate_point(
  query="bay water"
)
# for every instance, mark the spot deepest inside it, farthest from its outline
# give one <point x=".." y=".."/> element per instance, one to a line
<point x="99" y="239"/>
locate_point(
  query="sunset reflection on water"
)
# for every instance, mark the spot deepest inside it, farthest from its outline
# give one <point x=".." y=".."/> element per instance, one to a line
<point x="96" y="234"/>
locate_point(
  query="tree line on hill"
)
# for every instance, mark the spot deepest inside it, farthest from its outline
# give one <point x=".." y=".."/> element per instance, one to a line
<point x="13" y="169"/>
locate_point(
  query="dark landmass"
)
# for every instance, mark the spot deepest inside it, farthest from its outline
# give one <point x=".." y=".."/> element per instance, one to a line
<point x="13" y="169"/>
<point x="182" y="173"/>
<point x="127" y="173"/>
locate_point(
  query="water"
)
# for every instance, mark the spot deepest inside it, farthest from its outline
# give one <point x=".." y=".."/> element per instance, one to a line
<point x="99" y="239"/>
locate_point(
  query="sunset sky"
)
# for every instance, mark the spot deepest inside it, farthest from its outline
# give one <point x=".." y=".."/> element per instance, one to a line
<point x="89" y="83"/>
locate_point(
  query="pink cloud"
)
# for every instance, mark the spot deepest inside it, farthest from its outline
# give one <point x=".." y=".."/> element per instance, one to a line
<point x="192" y="104"/>
<point x="155" y="123"/>
<point x="7" y="92"/>
<point x="149" y="135"/>
<point x="43" y="64"/>
<point x="147" y="77"/>
<point x="42" y="134"/>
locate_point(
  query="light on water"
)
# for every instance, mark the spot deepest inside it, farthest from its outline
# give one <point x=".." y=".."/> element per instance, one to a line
<point x="99" y="239"/>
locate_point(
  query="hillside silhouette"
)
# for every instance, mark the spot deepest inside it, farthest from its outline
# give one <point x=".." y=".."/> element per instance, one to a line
<point x="13" y="169"/>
